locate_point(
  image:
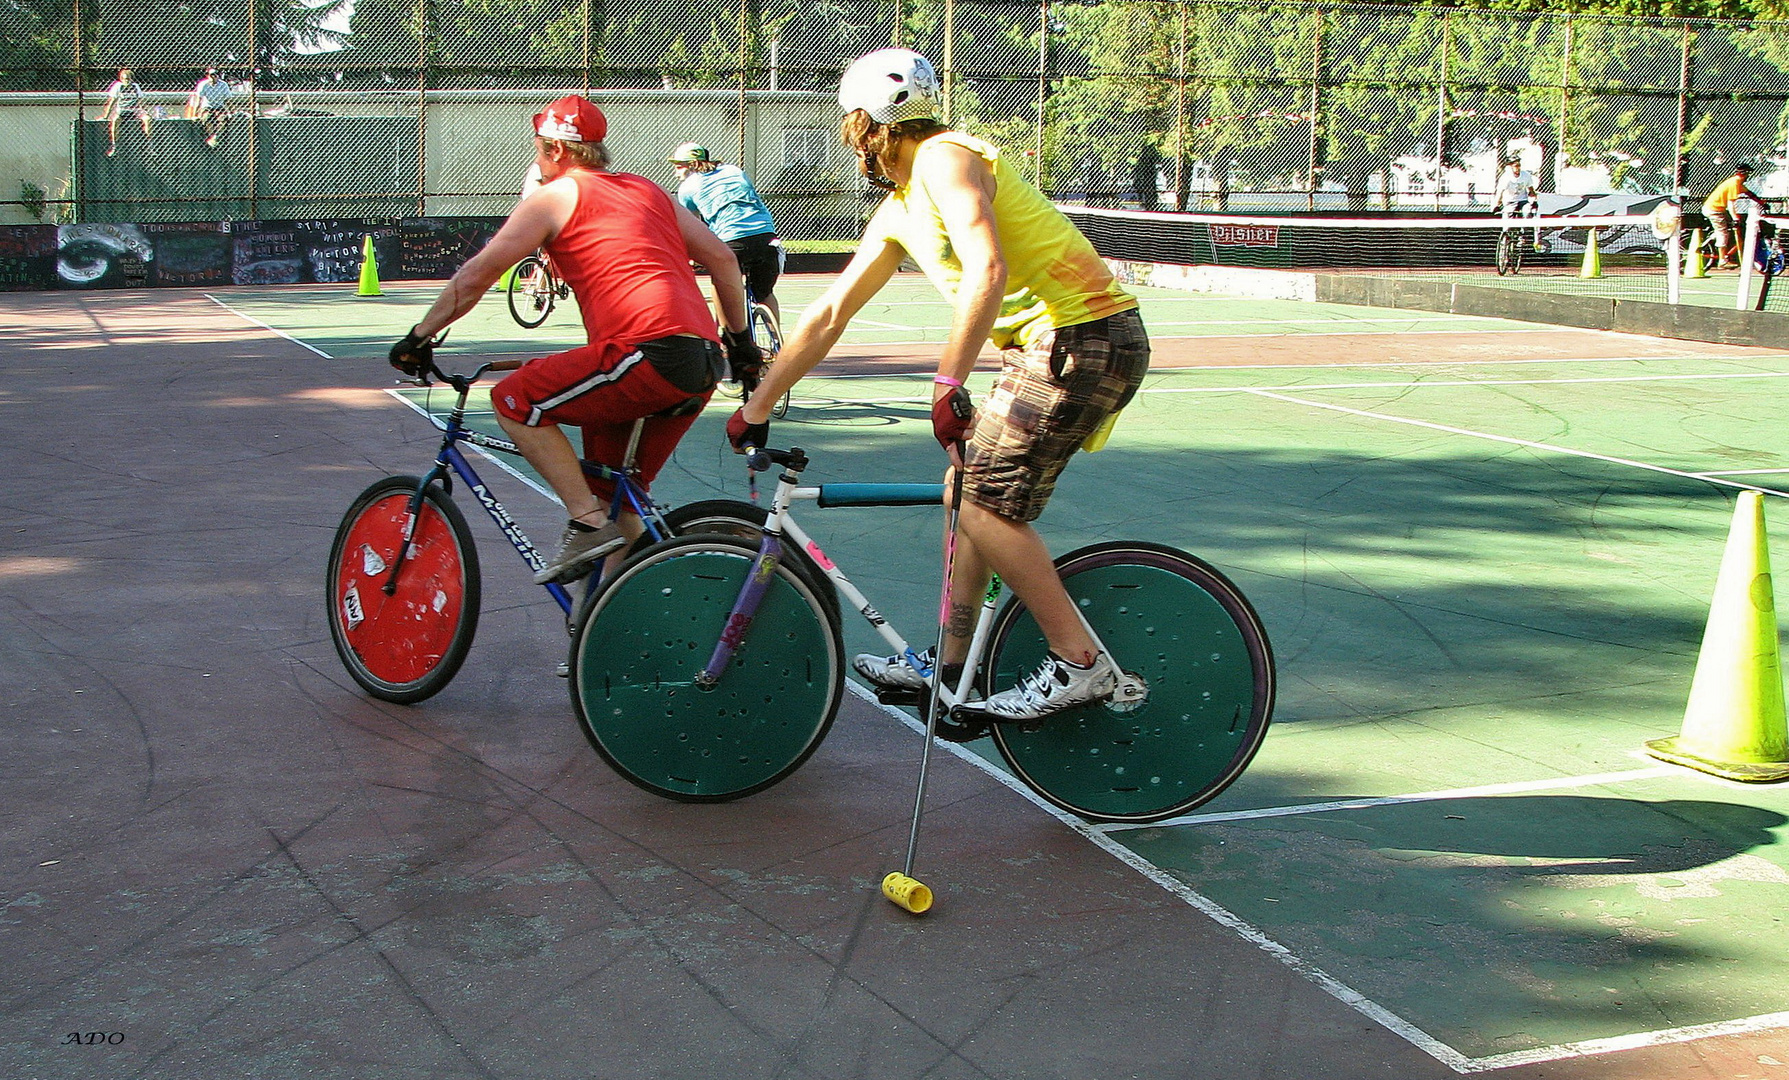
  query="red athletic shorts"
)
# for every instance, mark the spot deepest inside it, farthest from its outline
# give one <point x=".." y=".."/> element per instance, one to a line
<point x="603" y="389"/>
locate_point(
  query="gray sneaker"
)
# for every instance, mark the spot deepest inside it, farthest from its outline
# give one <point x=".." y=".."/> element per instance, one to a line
<point x="1055" y="686"/>
<point x="578" y="549"/>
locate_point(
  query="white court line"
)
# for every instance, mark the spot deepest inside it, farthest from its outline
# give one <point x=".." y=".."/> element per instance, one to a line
<point x="264" y="326"/>
<point x="493" y="458"/>
<point x="1398" y="800"/>
<point x="1153" y="323"/>
<point x="1342" y="992"/>
<point x="1419" y="383"/>
<point x="1706" y="478"/>
<point x="1347" y="995"/>
<point x="1750" y="1025"/>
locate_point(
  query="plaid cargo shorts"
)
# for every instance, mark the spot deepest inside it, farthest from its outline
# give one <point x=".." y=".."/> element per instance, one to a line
<point x="1048" y="399"/>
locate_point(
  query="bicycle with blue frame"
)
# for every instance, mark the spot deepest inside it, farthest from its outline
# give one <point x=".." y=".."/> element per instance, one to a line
<point x="708" y="667"/>
<point x="404" y="584"/>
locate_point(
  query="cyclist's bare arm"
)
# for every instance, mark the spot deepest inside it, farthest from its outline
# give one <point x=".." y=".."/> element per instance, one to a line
<point x="825" y="319"/>
<point x="530" y="225"/>
<point x="962" y="185"/>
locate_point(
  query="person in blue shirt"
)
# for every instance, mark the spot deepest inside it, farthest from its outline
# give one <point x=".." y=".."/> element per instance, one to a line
<point x="723" y="197"/>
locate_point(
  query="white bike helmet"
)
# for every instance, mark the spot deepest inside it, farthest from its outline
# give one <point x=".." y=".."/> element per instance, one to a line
<point x="891" y="85"/>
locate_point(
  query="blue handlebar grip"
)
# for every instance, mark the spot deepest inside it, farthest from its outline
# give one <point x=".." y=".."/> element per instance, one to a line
<point x="881" y="494"/>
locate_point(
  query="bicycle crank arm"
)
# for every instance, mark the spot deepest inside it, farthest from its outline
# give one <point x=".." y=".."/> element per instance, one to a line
<point x="1130" y="694"/>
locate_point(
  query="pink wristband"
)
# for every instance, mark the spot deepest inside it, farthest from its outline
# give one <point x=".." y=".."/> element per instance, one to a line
<point x="946" y="380"/>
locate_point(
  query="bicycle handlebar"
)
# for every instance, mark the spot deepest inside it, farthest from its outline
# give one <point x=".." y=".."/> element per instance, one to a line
<point x="760" y="459"/>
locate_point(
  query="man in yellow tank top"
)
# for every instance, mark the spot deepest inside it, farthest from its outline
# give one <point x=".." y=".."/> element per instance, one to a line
<point x="1718" y="208"/>
<point x="1073" y="353"/>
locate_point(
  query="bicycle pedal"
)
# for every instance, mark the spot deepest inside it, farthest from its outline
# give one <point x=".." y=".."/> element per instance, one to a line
<point x="957" y="728"/>
<point x="563" y="670"/>
<point x="897" y="695"/>
<point x="1131" y="693"/>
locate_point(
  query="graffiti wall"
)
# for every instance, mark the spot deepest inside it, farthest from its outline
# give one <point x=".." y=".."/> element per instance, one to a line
<point x="117" y="256"/>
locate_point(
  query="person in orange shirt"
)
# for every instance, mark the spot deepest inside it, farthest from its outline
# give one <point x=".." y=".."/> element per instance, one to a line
<point x="1719" y="209"/>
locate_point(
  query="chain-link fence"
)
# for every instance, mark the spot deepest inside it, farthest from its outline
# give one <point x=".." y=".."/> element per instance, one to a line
<point x="418" y="107"/>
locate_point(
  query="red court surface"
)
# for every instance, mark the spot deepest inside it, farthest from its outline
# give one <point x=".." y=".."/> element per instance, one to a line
<point x="224" y="860"/>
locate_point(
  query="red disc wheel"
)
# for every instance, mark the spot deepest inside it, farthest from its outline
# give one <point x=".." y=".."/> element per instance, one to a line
<point x="403" y="646"/>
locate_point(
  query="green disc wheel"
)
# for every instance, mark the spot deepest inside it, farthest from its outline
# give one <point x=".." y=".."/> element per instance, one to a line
<point x="406" y="645"/>
<point x="531" y="292"/>
<point x="744" y="520"/>
<point x="651" y="628"/>
<point x="1200" y="649"/>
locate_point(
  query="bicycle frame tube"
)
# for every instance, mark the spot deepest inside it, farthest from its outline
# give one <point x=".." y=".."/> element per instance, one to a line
<point x="451" y="456"/>
<point x="780" y="527"/>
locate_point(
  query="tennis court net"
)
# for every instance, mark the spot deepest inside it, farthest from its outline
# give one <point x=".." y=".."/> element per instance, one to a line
<point x="1379" y="242"/>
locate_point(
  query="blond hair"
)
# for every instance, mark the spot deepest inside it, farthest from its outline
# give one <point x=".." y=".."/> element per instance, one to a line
<point x="586" y="155"/>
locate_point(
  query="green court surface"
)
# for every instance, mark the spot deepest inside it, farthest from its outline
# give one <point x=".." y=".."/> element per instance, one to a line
<point x="1486" y="583"/>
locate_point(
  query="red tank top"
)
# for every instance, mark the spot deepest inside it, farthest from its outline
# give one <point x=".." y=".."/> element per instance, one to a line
<point x="626" y="262"/>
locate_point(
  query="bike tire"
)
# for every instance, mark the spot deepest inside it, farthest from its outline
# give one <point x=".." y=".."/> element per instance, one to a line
<point x="407" y="646"/>
<point x="1193" y="637"/>
<point x="768" y="336"/>
<point x="745" y="521"/>
<point x="1506" y="254"/>
<point x="725" y="517"/>
<point x="652" y="628"/>
<point x="531" y="290"/>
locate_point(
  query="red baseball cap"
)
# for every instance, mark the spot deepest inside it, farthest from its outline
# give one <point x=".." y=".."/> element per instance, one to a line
<point x="572" y="119"/>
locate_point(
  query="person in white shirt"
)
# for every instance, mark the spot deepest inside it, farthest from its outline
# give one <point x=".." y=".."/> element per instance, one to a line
<point x="124" y="95"/>
<point x="1516" y="194"/>
<point x="209" y="104"/>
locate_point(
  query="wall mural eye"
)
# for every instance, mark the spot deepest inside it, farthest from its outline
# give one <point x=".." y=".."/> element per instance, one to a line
<point x="87" y="253"/>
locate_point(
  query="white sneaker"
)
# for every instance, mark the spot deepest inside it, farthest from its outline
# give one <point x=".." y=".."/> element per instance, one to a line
<point x="891" y="672"/>
<point x="895" y="673"/>
<point x="578" y="549"/>
<point x="1055" y="686"/>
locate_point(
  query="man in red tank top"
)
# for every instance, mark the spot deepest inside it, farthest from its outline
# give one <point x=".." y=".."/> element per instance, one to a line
<point x="653" y="351"/>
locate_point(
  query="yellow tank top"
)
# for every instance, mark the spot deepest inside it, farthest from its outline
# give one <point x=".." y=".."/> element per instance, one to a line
<point x="1054" y="278"/>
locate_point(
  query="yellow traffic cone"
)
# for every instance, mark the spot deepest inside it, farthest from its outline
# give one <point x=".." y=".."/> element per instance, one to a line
<point x="1698" y="268"/>
<point x="1593" y="263"/>
<point x="369" y="270"/>
<point x="1734" y="726"/>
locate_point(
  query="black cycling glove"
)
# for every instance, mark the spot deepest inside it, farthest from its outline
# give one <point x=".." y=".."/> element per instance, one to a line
<point x="745" y="362"/>
<point x="414" y="355"/>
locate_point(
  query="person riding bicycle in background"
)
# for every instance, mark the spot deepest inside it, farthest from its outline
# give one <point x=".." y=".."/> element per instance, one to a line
<point x="1515" y="191"/>
<point x="1719" y="209"/>
<point x="724" y="197"/>
<point x="652" y="349"/>
<point x="1073" y="352"/>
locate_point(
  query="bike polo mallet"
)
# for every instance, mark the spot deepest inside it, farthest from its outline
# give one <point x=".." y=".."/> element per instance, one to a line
<point x="901" y="887"/>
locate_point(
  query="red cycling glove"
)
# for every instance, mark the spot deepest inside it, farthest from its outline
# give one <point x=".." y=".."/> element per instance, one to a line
<point x="951" y="416"/>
